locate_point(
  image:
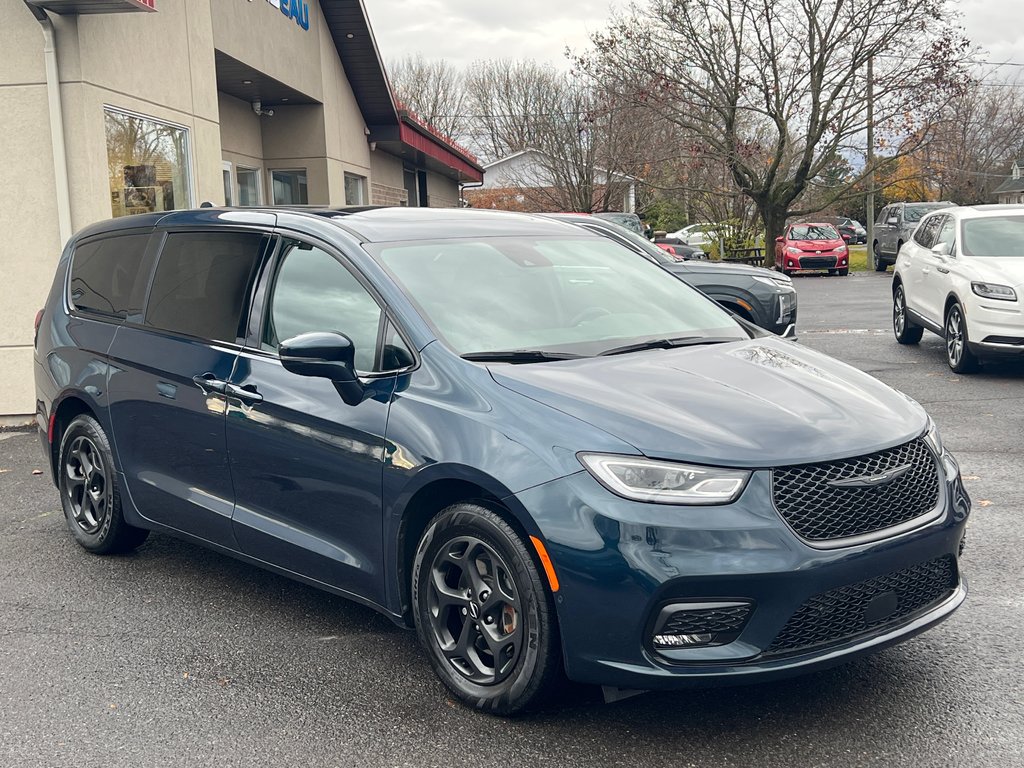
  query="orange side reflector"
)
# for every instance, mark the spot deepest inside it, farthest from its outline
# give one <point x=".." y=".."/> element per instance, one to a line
<point x="545" y="560"/>
<point x="745" y="305"/>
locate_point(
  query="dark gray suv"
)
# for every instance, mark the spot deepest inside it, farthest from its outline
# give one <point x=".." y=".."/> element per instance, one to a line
<point x="894" y="226"/>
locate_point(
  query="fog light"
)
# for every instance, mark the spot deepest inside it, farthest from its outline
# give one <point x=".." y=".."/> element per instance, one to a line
<point x="681" y="641"/>
<point x="791" y="263"/>
<point x="699" y="624"/>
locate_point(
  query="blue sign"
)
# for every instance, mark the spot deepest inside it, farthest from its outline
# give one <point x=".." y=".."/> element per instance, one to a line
<point x="294" y="9"/>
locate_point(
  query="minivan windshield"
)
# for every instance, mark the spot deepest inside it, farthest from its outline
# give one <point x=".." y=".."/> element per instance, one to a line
<point x="993" y="236"/>
<point x="572" y="295"/>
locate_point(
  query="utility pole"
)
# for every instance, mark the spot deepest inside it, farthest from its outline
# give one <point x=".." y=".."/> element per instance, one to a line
<point x="870" y="223"/>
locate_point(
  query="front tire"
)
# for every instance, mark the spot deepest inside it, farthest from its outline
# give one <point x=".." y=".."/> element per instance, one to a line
<point x="89" y="491"/>
<point x="904" y="330"/>
<point x="844" y="271"/>
<point x="483" y="613"/>
<point x="958" y="353"/>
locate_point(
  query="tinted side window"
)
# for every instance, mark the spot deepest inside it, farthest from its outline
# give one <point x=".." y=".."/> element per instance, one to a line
<point x="105" y="273"/>
<point x="883" y="216"/>
<point x="926" y="233"/>
<point x="947" y="233"/>
<point x="313" y="291"/>
<point x="201" y="282"/>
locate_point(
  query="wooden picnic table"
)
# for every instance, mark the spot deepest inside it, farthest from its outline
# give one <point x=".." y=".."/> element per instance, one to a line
<point x="753" y="256"/>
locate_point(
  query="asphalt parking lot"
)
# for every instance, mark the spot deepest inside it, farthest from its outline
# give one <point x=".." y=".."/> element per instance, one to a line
<point x="176" y="656"/>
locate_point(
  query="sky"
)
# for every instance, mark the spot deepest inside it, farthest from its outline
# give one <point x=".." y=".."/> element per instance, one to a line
<point x="462" y="31"/>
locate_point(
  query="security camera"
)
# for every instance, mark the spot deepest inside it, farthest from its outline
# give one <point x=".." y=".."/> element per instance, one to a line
<point x="257" y="107"/>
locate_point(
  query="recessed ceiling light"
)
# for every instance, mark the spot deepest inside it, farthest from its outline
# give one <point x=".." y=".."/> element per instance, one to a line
<point x="349" y="35"/>
<point x="247" y="82"/>
<point x="284" y="99"/>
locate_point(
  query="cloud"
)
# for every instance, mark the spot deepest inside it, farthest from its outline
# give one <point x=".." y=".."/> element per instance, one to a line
<point x="462" y="31"/>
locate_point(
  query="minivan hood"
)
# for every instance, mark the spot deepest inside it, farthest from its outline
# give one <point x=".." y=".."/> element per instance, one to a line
<point x="759" y="403"/>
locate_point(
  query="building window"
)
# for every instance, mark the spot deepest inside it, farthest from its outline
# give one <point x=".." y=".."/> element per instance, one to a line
<point x="148" y="164"/>
<point x="229" y="197"/>
<point x="248" y="186"/>
<point x="289" y="187"/>
<point x="355" y="189"/>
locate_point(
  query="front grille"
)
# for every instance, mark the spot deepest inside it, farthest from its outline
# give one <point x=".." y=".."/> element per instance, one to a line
<point x="819" y="511"/>
<point x="846" y="612"/>
<point x="817" y="262"/>
<point x="724" y="620"/>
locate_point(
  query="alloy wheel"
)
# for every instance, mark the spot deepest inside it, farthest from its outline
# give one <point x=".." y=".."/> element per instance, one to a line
<point x="954" y="337"/>
<point x="899" y="312"/>
<point x="474" y="610"/>
<point x="85" y="484"/>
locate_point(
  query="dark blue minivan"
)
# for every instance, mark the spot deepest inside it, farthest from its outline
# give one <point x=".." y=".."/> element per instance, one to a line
<point x="542" y="451"/>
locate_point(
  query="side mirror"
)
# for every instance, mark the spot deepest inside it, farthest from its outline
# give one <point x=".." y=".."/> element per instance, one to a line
<point x="324" y="356"/>
<point x="892" y="221"/>
<point x="780" y="239"/>
<point x="846" y="238"/>
<point x="942" y="249"/>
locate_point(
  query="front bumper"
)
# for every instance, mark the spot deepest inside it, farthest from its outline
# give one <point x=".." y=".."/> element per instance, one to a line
<point x="996" y="328"/>
<point x="619" y="562"/>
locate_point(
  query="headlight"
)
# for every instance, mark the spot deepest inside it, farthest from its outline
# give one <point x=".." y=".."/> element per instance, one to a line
<point x="776" y="282"/>
<point x="665" y="482"/>
<point x="933" y="438"/>
<point x="994" y="291"/>
<point x="840" y="249"/>
<point x="793" y="249"/>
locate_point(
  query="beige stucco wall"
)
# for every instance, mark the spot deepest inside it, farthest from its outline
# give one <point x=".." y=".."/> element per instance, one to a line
<point x="442" y="192"/>
<point x="162" y="65"/>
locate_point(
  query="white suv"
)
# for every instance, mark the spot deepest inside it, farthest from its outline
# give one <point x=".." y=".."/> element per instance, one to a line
<point x="961" y="275"/>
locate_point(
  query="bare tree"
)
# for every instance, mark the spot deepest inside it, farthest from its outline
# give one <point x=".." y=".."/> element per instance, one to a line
<point x="433" y="90"/>
<point x="979" y="136"/>
<point x="776" y="89"/>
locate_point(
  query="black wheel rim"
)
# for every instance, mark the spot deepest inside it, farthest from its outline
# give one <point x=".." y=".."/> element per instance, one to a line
<point x="954" y="337"/>
<point x="85" y="484"/>
<point x="474" y="610"/>
<point x="899" y="319"/>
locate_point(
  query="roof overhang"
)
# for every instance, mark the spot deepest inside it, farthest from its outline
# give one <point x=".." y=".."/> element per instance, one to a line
<point x="392" y="128"/>
<point x="94" y="6"/>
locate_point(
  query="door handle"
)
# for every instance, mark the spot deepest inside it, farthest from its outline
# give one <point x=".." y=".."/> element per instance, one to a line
<point x="942" y="270"/>
<point x="246" y="393"/>
<point x="209" y="383"/>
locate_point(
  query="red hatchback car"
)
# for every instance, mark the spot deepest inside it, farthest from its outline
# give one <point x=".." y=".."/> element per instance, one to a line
<point x="812" y="246"/>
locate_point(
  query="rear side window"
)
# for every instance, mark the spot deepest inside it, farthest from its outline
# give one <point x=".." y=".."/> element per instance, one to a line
<point x="201" y="283"/>
<point x="105" y="275"/>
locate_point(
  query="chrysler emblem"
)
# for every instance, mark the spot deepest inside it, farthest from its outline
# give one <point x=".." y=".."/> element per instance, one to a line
<point x="872" y="481"/>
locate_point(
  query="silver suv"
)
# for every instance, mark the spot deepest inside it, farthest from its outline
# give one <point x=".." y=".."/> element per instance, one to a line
<point x="894" y="226"/>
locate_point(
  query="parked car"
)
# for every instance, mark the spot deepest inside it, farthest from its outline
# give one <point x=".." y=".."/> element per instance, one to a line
<point x="681" y="249"/>
<point x="961" y="275"/>
<point x="758" y="295"/>
<point x="850" y="228"/>
<point x="894" y="226"/>
<point x="812" y="246"/>
<point x="628" y="220"/>
<point x="701" y="235"/>
<point x="502" y="430"/>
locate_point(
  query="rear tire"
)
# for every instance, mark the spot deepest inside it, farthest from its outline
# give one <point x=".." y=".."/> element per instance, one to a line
<point x="904" y="330"/>
<point x="880" y="265"/>
<point x="483" y="612"/>
<point x="958" y="353"/>
<point x="90" y="493"/>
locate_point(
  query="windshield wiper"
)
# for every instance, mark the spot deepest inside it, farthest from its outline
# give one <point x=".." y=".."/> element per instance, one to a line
<point x="678" y="341"/>
<point x="519" y="356"/>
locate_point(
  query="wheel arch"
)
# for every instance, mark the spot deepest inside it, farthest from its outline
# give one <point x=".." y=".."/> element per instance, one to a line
<point x="65" y="410"/>
<point x="443" y="487"/>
